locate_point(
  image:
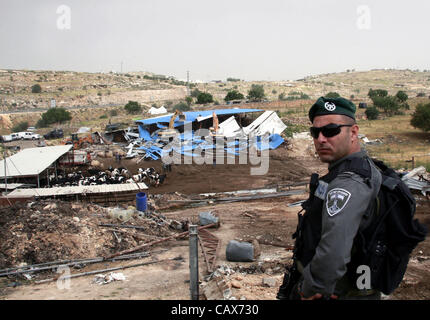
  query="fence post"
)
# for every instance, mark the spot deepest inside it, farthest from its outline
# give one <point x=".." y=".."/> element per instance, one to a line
<point x="194" y="263"/>
<point x="413" y="163"/>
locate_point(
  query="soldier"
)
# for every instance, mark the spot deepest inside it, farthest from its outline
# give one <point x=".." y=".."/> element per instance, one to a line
<point x="339" y="204"/>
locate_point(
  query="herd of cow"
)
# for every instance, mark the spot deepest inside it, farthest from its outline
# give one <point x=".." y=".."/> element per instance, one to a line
<point x="110" y="176"/>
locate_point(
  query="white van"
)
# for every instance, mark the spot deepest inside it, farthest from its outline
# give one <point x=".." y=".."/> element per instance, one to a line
<point x="15" y="136"/>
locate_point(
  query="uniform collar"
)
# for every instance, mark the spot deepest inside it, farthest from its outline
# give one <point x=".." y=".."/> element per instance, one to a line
<point x="358" y="154"/>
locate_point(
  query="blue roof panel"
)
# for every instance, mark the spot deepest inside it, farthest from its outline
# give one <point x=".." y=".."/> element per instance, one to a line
<point x="193" y="115"/>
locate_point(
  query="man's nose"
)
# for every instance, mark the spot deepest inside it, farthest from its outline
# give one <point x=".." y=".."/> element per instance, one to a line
<point x="321" y="138"/>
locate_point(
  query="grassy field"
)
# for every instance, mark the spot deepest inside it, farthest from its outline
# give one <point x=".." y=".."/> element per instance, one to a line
<point x="400" y="141"/>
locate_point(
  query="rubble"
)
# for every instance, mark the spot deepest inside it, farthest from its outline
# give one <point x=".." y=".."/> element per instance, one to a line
<point x="45" y="231"/>
<point x="108" y="278"/>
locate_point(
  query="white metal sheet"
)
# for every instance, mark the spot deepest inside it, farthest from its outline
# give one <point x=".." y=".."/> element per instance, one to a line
<point x="31" y="161"/>
<point x="57" y="191"/>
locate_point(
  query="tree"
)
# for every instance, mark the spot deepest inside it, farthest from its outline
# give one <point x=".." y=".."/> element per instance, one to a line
<point x="372" y="113"/>
<point x="402" y="96"/>
<point x="281" y="96"/>
<point x="204" y="97"/>
<point x="22" y="126"/>
<point x="54" y="115"/>
<point x="256" y="93"/>
<point x="181" y="106"/>
<point x="36" y="88"/>
<point x="377" y="93"/>
<point x="133" y="107"/>
<point x="332" y="95"/>
<point x="195" y="93"/>
<point x="388" y="104"/>
<point x="421" y="117"/>
<point x="189" y="100"/>
<point x="234" y="95"/>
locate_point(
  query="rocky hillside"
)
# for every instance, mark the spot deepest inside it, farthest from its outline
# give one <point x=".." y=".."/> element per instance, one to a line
<point x="78" y="89"/>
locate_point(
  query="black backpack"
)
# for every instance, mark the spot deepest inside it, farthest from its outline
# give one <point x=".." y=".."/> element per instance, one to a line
<point x="387" y="242"/>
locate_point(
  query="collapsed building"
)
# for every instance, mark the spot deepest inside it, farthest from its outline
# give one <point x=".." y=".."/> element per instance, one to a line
<point x="205" y="130"/>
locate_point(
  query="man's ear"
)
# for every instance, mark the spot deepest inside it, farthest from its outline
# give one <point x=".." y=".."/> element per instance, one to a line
<point x="354" y="131"/>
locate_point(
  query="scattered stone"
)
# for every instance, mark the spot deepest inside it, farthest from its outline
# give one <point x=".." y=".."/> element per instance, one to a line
<point x="269" y="282"/>
<point x="76" y="219"/>
<point x="236" y="284"/>
<point x="269" y="271"/>
<point x="226" y="294"/>
<point x="257" y="249"/>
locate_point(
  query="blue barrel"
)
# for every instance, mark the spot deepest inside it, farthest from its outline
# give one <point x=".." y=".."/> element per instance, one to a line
<point x="141" y="201"/>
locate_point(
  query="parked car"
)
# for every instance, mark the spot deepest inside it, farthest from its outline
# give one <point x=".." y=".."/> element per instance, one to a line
<point x="31" y="129"/>
<point x="15" y="136"/>
<point x="6" y="138"/>
<point x="54" y="134"/>
<point x="28" y="136"/>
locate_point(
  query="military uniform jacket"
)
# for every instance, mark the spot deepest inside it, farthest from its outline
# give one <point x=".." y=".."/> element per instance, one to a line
<point x="339" y="204"/>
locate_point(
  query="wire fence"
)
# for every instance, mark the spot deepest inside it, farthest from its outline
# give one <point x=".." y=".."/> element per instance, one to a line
<point x="407" y="163"/>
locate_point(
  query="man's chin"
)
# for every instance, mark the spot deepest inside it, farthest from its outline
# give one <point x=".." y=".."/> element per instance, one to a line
<point x="326" y="158"/>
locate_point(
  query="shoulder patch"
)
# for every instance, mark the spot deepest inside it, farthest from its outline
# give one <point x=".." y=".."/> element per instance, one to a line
<point x="321" y="190"/>
<point x="337" y="199"/>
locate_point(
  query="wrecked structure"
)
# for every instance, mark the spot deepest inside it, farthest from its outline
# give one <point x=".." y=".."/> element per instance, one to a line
<point x="228" y="129"/>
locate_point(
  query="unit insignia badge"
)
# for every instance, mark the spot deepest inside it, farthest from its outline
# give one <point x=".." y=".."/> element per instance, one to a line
<point x="336" y="200"/>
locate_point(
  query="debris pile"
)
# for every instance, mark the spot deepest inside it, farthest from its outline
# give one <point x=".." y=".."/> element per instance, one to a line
<point x="258" y="280"/>
<point x="45" y="231"/>
<point x="182" y="137"/>
<point x="418" y="179"/>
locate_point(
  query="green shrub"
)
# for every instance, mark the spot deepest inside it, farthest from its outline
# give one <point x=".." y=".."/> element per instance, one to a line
<point x="195" y="93"/>
<point x="22" y="126"/>
<point x="189" y="100"/>
<point x="421" y="117"/>
<point x="53" y="115"/>
<point x="103" y="116"/>
<point x="204" y="97"/>
<point x="256" y="93"/>
<point x="377" y="93"/>
<point x="181" y="106"/>
<point x="372" y="113"/>
<point x="401" y="96"/>
<point x="133" y="107"/>
<point x="234" y="95"/>
<point x="113" y="113"/>
<point x="36" y="88"/>
<point x="388" y="104"/>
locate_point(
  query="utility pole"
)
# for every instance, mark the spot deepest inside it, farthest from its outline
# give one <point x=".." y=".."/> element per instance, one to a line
<point x="5" y="174"/>
<point x="188" y="83"/>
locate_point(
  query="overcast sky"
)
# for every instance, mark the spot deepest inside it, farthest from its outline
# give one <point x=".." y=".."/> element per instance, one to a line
<point x="251" y="40"/>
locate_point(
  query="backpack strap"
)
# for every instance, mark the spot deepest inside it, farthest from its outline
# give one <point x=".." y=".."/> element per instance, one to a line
<point x="389" y="182"/>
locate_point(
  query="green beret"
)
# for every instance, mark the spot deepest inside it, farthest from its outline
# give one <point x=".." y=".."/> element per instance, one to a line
<point x="325" y="106"/>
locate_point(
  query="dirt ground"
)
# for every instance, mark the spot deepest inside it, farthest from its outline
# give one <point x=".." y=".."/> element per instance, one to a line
<point x="269" y="221"/>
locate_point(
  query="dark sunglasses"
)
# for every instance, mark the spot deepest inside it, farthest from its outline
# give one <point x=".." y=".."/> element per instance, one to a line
<point x="328" y="131"/>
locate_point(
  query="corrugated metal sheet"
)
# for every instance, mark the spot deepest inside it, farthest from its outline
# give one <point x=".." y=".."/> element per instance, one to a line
<point x="10" y="186"/>
<point x="32" y="161"/>
<point x="193" y="115"/>
<point x="59" y="191"/>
